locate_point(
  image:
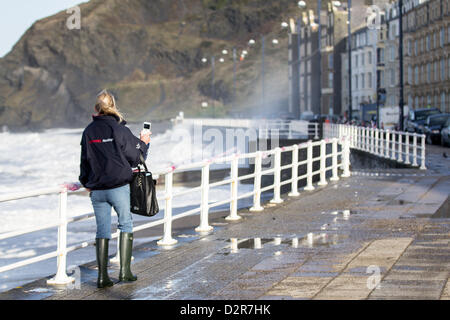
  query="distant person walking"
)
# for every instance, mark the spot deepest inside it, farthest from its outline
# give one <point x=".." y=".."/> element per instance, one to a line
<point x="109" y="151"/>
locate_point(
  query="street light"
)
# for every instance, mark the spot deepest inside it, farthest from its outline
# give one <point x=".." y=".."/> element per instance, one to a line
<point x="204" y="60"/>
<point x="263" y="46"/>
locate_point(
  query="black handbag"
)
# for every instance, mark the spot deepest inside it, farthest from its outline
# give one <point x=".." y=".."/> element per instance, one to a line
<point x="143" y="192"/>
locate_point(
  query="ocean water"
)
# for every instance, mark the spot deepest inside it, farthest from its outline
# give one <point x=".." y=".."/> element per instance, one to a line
<point x="31" y="161"/>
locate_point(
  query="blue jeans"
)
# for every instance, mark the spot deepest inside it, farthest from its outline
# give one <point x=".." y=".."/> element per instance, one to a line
<point x="102" y="201"/>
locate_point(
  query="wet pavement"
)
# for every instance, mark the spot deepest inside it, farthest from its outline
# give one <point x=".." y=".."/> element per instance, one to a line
<point x="380" y="234"/>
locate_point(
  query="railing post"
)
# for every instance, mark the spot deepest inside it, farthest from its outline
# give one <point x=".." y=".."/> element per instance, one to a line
<point x="294" y="184"/>
<point x="407" y="161"/>
<point x="377" y="140"/>
<point x="61" y="277"/>
<point x="309" y="166"/>
<point x="393" y="151"/>
<point x="204" y="207"/>
<point x="335" y="176"/>
<point x="323" y="171"/>
<point x="257" y="184"/>
<point x="234" y="190"/>
<point x="360" y="138"/>
<point x="422" y="160"/>
<point x="372" y="140"/>
<point x="363" y="139"/>
<point x="400" y="148"/>
<point x="382" y="139"/>
<point x="277" y="178"/>
<point x="346" y="157"/>
<point x="167" y="239"/>
<point x="386" y="155"/>
<point x="415" y="150"/>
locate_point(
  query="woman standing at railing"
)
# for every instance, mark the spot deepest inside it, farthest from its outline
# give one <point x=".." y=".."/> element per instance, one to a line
<point x="109" y="150"/>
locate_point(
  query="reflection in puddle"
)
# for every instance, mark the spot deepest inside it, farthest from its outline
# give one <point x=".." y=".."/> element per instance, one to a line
<point x="310" y="240"/>
<point x="345" y="214"/>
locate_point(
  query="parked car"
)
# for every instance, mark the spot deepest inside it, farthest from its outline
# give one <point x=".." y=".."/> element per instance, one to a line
<point x="417" y="118"/>
<point x="307" y="116"/>
<point x="433" y="126"/>
<point x="445" y="134"/>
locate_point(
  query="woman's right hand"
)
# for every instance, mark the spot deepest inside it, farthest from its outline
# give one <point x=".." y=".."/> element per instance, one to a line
<point x="145" y="137"/>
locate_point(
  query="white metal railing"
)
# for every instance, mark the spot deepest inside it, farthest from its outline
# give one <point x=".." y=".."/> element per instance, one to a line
<point x="290" y="129"/>
<point x="403" y="147"/>
<point x="340" y="159"/>
<point x="284" y="128"/>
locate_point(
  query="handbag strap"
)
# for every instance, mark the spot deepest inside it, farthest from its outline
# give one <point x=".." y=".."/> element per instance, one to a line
<point x="141" y="157"/>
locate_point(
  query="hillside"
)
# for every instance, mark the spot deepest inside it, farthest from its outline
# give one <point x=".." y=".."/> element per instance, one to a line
<point x="149" y="53"/>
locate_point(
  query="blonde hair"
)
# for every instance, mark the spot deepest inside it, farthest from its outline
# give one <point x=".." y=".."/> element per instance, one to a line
<point x="106" y="105"/>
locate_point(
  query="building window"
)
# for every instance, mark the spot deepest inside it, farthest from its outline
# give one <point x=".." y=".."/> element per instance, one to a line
<point x="362" y="59"/>
<point x="428" y="42"/>
<point x="392" y="73"/>
<point x="330" y="61"/>
<point x="442" y="101"/>
<point x="381" y="78"/>
<point x="448" y="66"/>
<point x="422" y="73"/>
<point x="442" y="69"/>
<point x="370" y="80"/>
<point x="392" y="53"/>
<point x="416" y="102"/>
<point x="410" y="74"/>
<point x="416" y="75"/>
<point x="393" y="31"/>
<point x="442" y="37"/>
<point x="330" y="80"/>
<point x="380" y="55"/>
<point x="409" y="47"/>
<point x="363" y="81"/>
<point x="436" y="71"/>
<point x="356" y="82"/>
<point x="369" y="57"/>
<point x="428" y="72"/>
<point x="356" y="61"/>
<point x="392" y="100"/>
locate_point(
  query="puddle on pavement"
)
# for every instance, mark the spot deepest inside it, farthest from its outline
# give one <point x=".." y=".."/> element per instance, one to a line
<point x="345" y="214"/>
<point x="311" y="240"/>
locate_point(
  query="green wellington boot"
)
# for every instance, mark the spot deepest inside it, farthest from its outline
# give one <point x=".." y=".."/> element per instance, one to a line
<point x="125" y="247"/>
<point x="101" y="248"/>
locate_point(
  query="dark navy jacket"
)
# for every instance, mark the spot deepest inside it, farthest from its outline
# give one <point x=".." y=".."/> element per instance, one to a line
<point x="108" y="152"/>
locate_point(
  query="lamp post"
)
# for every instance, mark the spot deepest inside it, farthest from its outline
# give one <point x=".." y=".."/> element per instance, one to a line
<point x="263" y="49"/>
<point x="400" y="55"/>
<point x="349" y="23"/>
<point x="213" y="66"/>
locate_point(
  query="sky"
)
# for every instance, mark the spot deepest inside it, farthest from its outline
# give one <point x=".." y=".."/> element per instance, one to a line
<point x="16" y="16"/>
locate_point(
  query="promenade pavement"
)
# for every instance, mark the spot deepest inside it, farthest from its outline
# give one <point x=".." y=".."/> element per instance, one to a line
<point x="380" y="234"/>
